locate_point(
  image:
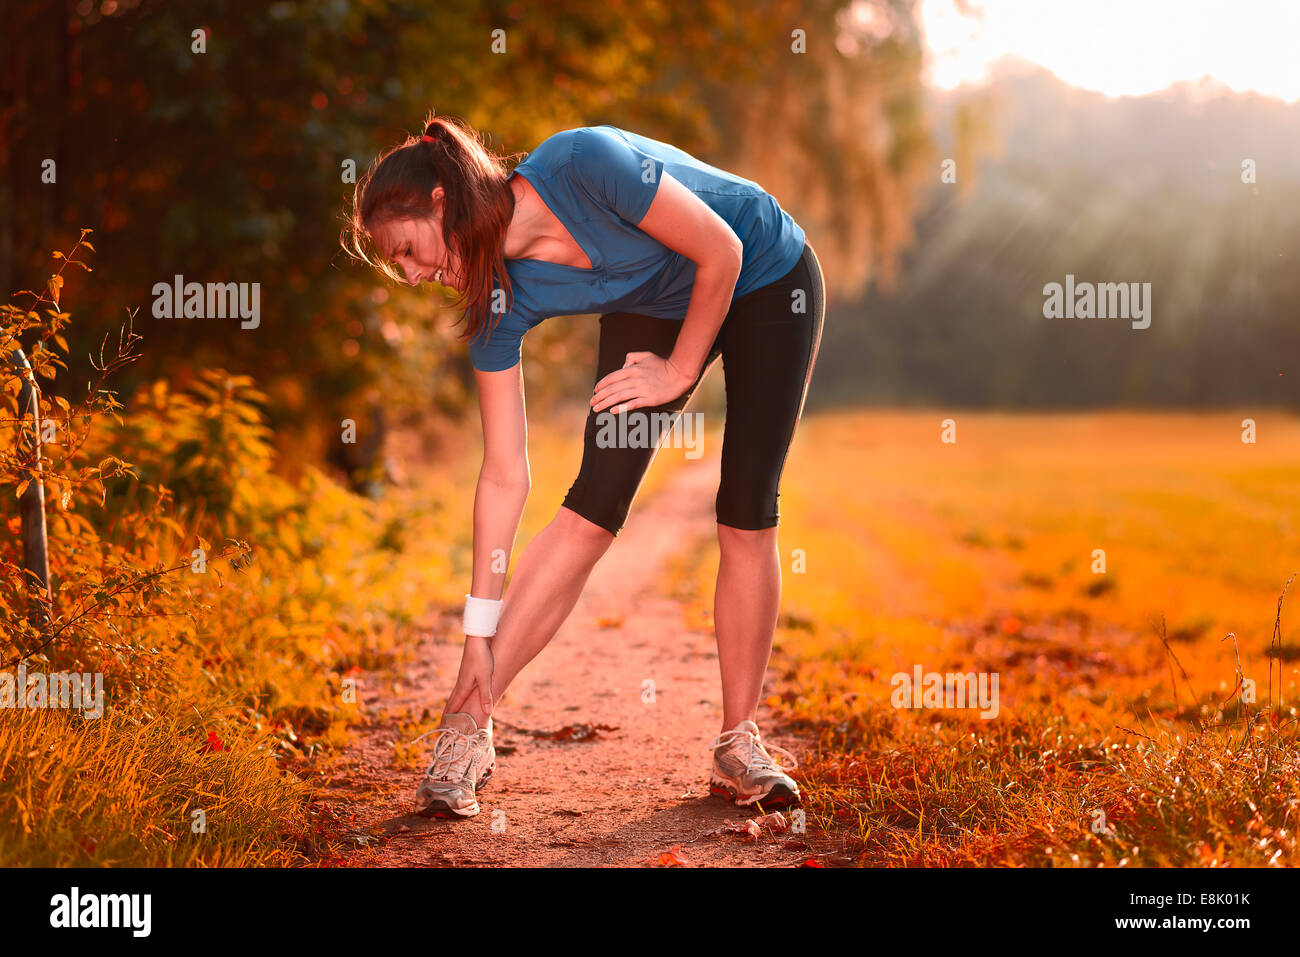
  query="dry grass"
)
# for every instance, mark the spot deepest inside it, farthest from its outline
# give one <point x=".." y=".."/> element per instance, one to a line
<point x="112" y="792"/>
<point x="1118" y="693"/>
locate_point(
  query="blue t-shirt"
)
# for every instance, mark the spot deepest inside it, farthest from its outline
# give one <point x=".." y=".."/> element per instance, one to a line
<point x="599" y="182"/>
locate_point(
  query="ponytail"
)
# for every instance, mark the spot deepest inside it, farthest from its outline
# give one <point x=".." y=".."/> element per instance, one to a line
<point x="477" y="207"/>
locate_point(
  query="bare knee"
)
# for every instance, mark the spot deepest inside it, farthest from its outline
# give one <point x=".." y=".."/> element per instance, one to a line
<point x="577" y="529"/>
<point x="746" y="541"/>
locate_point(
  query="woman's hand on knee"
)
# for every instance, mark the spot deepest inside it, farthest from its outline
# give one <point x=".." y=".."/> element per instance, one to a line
<point x="646" y="380"/>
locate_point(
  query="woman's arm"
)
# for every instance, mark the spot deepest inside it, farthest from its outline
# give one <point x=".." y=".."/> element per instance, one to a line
<point x="504" y="479"/>
<point x="686" y="224"/>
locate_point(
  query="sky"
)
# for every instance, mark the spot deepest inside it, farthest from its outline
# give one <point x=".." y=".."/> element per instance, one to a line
<point x="1121" y="47"/>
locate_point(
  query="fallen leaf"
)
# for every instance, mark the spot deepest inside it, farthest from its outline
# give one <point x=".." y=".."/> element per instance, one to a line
<point x="672" y="858"/>
<point x="575" y="732"/>
<point x="749" y="830"/>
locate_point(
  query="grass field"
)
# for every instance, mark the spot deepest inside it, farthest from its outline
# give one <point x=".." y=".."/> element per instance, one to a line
<point x="1123" y="735"/>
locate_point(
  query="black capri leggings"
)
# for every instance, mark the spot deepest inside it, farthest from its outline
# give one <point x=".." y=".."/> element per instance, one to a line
<point x="768" y="344"/>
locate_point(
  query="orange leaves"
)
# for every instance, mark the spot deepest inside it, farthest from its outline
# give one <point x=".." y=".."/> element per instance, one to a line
<point x="752" y="829"/>
<point x="574" y="732"/>
<point x="671" y="858"/>
<point x="749" y="832"/>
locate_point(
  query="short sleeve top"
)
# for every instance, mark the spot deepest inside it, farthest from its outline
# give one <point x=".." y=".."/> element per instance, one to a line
<point x="599" y="181"/>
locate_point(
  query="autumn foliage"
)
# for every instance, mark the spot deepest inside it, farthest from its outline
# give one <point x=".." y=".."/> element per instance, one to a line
<point x="223" y="604"/>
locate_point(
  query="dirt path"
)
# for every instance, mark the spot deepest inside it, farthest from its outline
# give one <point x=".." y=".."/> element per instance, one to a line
<point x="622" y="797"/>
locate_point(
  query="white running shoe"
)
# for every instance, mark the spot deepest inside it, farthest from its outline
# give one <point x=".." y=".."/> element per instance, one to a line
<point x="744" y="772"/>
<point x="463" y="760"/>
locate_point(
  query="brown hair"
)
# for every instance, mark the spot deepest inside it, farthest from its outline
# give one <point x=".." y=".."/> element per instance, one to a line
<point x="477" y="207"/>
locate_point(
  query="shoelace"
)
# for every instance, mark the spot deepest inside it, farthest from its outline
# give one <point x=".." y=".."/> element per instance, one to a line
<point x="442" y="759"/>
<point x="764" y="760"/>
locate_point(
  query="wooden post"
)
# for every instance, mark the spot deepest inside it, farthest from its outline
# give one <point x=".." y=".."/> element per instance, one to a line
<point x="36" y="556"/>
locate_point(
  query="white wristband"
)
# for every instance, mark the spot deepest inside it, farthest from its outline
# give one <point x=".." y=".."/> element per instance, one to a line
<point x="481" y="616"/>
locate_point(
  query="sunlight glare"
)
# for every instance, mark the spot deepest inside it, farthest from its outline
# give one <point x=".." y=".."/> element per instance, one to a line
<point x="1119" y="47"/>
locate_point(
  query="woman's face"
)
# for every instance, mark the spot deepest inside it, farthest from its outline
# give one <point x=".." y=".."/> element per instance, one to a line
<point x="416" y="246"/>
